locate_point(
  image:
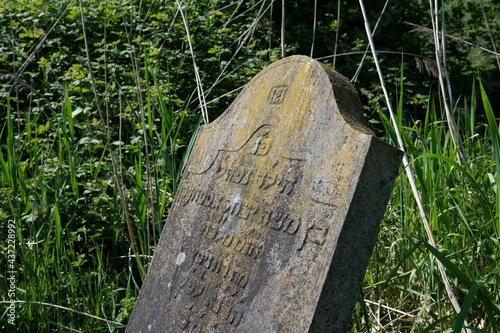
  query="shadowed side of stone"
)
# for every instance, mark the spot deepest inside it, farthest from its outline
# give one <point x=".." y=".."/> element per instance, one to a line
<point x="357" y="239"/>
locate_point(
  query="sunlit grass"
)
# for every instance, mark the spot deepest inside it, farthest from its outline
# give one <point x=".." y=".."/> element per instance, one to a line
<point x="461" y="205"/>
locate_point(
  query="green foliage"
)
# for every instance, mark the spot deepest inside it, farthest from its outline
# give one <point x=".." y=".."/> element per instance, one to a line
<point x="460" y="203"/>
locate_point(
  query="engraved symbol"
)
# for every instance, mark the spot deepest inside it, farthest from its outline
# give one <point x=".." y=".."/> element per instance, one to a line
<point x="277" y="94"/>
<point x="262" y="144"/>
<point x="315" y="234"/>
<point x="257" y="143"/>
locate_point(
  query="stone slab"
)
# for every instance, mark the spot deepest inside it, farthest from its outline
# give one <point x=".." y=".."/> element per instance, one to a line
<point x="277" y="213"/>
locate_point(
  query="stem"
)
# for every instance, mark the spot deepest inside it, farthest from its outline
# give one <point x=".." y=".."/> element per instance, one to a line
<point x="455" y="136"/>
<point x="199" y="87"/>
<point x="489" y="31"/>
<point x="108" y="140"/>
<point x="358" y="70"/>
<point x="407" y="166"/>
<point x="282" y="29"/>
<point x="337" y="34"/>
<point x="314" y="28"/>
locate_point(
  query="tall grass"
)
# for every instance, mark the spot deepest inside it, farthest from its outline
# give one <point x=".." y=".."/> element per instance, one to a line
<point x="46" y="181"/>
<point x="461" y="206"/>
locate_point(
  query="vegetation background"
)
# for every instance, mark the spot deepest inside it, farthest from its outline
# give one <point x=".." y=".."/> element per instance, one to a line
<point x="99" y="105"/>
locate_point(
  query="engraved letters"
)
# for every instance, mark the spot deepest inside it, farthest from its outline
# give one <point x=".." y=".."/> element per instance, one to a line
<point x="281" y="178"/>
<point x="225" y="282"/>
<point x="237" y="224"/>
<point x="277" y="94"/>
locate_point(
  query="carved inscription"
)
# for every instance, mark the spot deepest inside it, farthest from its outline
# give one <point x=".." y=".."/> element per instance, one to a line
<point x="227" y="208"/>
<point x="245" y="245"/>
<point x="198" y="196"/>
<point x="240" y="213"/>
<point x="277" y="94"/>
<point x="264" y="179"/>
<point x="262" y="142"/>
<point x="213" y="284"/>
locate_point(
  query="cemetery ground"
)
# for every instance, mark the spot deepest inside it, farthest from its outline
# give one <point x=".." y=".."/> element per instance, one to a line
<point x="87" y="179"/>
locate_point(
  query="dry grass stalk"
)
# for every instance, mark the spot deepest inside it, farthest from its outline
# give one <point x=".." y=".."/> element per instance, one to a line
<point x="358" y="70"/>
<point x="67" y="309"/>
<point x="336" y="34"/>
<point x="243" y="38"/>
<point x="282" y="29"/>
<point x="489" y="32"/>
<point x="455" y="135"/>
<point x="314" y="27"/>
<point x="430" y="66"/>
<point x="119" y="184"/>
<point x="443" y="43"/>
<point x="149" y="190"/>
<point x="407" y="166"/>
<point x="199" y="87"/>
<point x="427" y="33"/>
<point x="17" y="82"/>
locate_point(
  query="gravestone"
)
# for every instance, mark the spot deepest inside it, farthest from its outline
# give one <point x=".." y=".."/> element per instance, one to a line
<point x="277" y="213"/>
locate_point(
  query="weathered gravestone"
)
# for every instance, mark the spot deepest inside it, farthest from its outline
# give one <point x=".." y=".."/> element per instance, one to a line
<point x="277" y="213"/>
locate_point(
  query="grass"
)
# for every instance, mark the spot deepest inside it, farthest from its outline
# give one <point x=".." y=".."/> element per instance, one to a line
<point x="88" y="207"/>
<point x="63" y="261"/>
<point x="461" y="206"/>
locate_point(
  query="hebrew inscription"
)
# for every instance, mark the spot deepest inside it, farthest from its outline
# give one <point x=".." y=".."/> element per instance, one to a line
<point x="277" y="94"/>
<point x="277" y="212"/>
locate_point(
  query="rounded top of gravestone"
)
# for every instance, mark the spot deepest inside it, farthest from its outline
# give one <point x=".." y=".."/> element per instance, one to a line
<point x="298" y="97"/>
<point x="286" y="82"/>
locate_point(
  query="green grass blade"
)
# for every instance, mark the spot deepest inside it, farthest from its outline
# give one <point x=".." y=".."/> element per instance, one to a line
<point x="400" y="104"/>
<point x="163" y="107"/>
<point x="72" y="174"/>
<point x="5" y="169"/>
<point x="396" y="268"/>
<point x="465" y="308"/>
<point x="474" y="184"/>
<point x="100" y="161"/>
<point x="11" y="151"/>
<point x="491" y="309"/>
<point x="431" y="327"/>
<point x="472" y="122"/>
<point x="189" y="147"/>
<point x="495" y="138"/>
<point x="57" y="220"/>
<point x="451" y="267"/>
<point x="148" y="105"/>
<point x="69" y="112"/>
